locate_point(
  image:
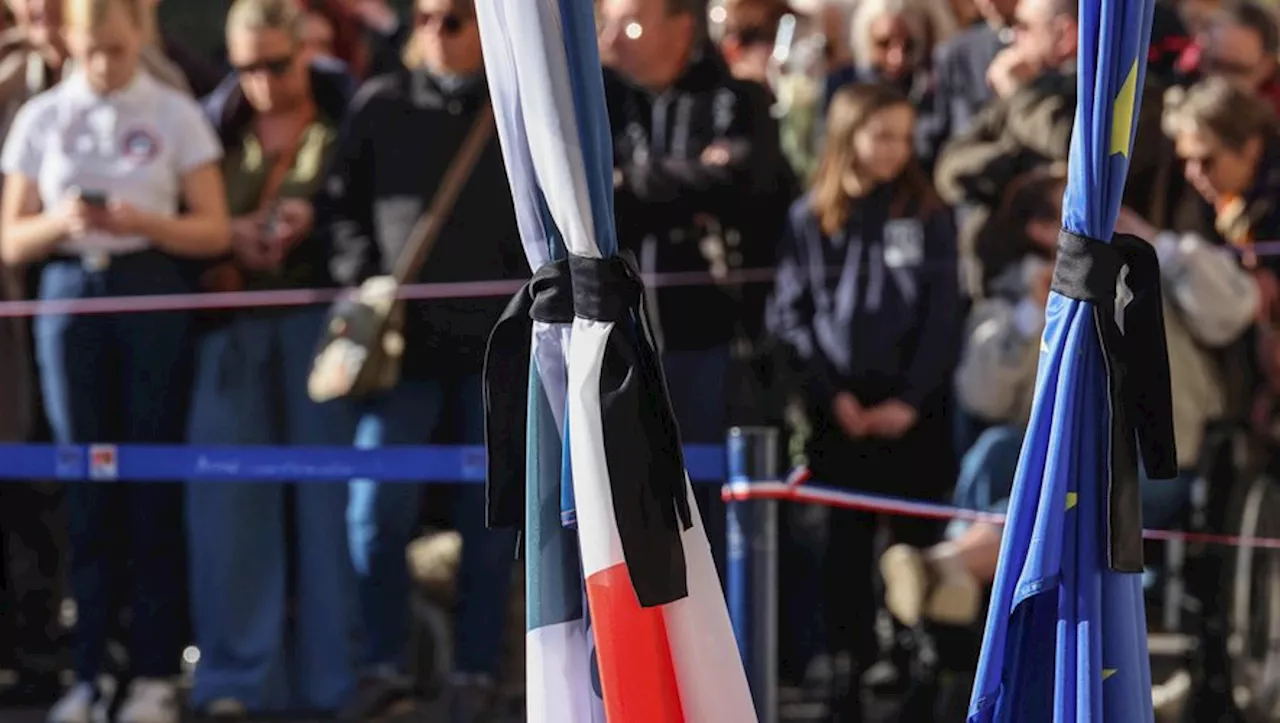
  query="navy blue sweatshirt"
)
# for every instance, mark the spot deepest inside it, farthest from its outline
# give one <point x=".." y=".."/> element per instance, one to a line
<point x="874" y="310"/>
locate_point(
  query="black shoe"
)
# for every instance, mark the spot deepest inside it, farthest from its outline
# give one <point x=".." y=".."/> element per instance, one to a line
<point x="379" y="698"/>
<point x="848" y="708"/>
<point x="32" y="690"/>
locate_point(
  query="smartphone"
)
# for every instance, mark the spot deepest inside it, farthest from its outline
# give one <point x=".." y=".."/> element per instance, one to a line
<point x="96" y="199"/>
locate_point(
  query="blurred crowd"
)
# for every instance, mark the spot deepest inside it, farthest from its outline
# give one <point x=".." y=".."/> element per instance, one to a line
<point x="895" y="168"/>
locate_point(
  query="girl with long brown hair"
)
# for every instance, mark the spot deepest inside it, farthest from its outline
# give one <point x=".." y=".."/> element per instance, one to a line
<point x="867" y="295"/>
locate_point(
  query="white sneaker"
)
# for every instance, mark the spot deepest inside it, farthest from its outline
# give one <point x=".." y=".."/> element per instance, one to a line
<point x="82" y="703"/>
<point x="150" y="700"/>
<point x="915" y="589"/>
<point x="906" y="583"/>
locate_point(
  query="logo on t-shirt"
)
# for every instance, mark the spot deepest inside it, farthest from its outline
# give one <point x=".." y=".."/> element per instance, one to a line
<point x="140" y="144"/>
<point x="904" y="243"/>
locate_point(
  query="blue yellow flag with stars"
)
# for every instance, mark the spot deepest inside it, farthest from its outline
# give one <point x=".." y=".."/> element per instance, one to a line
<point x="1066" y="637"/>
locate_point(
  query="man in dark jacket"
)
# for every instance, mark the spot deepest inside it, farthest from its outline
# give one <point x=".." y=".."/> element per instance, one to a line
<point x="402" y="134"/>
<point x="1029" y="123"/>
<point x="278" y="121"/>
<point x="698" y="163"/>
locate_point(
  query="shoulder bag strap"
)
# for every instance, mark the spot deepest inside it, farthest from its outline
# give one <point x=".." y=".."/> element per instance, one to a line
<point x="427" y="229"/>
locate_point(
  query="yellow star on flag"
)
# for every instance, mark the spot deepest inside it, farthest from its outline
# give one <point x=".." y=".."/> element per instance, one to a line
<point x="1122" y="113"/>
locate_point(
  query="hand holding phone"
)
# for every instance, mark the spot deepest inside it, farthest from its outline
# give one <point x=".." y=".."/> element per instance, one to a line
<point x="93" y="198"/>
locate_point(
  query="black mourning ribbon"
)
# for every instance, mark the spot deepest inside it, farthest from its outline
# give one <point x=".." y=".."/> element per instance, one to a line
<point x="546" y="297"/>
<point x="1137" y="365"/>
<point x="641" y="439"/>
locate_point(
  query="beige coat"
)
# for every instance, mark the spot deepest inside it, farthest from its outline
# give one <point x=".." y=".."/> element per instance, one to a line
<point x="1209" y="304"/>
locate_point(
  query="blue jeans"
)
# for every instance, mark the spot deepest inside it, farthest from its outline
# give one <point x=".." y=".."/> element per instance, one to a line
<point x="698" y="381"/>
<point x="120" y="378"/>
<point x="382" y="518"/>
<point x="988" y="468"/>
<point x="251" y="389"/>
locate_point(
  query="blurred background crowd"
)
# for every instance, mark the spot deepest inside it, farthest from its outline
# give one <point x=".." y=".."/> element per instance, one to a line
<point x="869" y="190"/>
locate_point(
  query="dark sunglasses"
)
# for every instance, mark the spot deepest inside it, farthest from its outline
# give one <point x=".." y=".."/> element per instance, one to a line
<point x="271" y="66"/>
<point x="751" y="37"/>
<point x="448" y="23"/>
<point x="907" y="45"/>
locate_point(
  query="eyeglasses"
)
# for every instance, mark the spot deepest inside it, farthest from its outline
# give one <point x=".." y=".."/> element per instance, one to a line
<point x="447" y="23"/>
<point x="275" y="67"/>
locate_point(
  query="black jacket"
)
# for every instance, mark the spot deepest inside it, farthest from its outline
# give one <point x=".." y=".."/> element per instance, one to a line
<point x="667" y="195"/>
<point x="874" y="310"/>
<point x="401" y="134"/>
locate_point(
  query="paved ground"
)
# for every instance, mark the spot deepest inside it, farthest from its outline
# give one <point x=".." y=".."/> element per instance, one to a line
<point x="798" y="712"/>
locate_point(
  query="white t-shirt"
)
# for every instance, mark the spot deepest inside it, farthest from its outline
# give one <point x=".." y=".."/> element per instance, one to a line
<point x="133" y="145"/>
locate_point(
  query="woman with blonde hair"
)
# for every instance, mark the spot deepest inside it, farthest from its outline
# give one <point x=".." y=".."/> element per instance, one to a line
<point x="96" y="172"/>
<point x="867" y="296"/>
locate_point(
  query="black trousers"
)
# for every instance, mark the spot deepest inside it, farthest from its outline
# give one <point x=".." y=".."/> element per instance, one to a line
<point x="33" y="540"/>
<point x="920" y="465"/>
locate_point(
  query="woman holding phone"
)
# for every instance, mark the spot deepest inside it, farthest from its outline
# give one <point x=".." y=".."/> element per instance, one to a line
<point x="95" y="172"/>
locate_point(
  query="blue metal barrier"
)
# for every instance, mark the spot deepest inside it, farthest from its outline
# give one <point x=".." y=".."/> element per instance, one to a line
<point x="752" y="568"/>
<point x="145" y="463"/>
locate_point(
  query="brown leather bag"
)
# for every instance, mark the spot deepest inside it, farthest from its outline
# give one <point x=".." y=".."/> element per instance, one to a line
<point x="363" y="339"/>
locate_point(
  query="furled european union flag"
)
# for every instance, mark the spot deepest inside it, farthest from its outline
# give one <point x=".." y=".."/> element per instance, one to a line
<point x="1066" y="635"/>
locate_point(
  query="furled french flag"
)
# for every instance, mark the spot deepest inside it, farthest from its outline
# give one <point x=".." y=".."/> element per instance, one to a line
<point x="660" y="647"/>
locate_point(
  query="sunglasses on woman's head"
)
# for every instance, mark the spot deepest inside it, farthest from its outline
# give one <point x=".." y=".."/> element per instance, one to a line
<point x="448" y="23"/>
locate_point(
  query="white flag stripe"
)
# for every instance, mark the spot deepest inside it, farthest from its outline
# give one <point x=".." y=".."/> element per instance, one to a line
<point x="713" y="684"/>
<point x="557" y="686"/>
<point x="505" y="93"/>
<point x="500" y="68"/>
<point x="597" y="528"/>
<point x="542" y="76"/>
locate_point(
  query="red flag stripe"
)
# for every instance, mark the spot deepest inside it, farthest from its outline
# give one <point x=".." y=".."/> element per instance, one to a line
<point x="633" y="654"/>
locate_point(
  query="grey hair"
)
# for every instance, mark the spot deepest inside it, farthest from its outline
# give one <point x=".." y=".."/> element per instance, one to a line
<point x="918" y="19"/>
<point x="258" y="15"/>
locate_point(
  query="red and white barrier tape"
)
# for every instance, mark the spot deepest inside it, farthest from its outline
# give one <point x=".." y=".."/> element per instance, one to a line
<point x="794" y="489"/>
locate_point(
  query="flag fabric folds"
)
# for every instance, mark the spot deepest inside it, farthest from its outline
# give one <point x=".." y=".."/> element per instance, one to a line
<point x="1066" y="636"/>
<point x="654" y="643"/>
